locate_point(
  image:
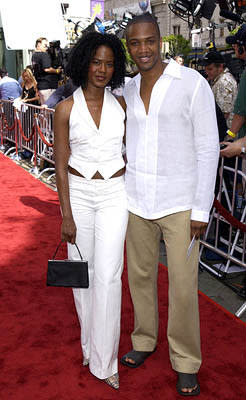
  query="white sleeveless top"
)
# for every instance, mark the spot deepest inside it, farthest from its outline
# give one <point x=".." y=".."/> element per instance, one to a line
<point x="94" y="149"/>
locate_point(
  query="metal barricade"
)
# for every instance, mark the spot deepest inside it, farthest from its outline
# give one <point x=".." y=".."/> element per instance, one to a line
<point x="7" y="124"/>
<point x="30" y="128"/>
<point x="45" y="139"/>
<point x="224" y="243"/>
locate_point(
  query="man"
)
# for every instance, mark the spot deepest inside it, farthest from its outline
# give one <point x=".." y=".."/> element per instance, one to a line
<point x="179" y="60"/>
<point x="61" y="93"/>
<point x="223" y="83"/>
<point x="9" y="87"/>
<point x="238" y="126"/>
<point x="172" y="151"/>
<point x="47" y="77"/>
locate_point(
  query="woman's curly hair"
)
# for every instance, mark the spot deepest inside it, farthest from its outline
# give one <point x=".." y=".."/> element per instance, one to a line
<point x="85" y="49"/>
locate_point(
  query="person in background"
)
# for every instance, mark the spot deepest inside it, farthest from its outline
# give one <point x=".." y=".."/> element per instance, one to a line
<point x="172" y="150"/>
<point x="61" y="93"/>
<point x="46" y="76"/>
<point x="238" y="125"/>
<point x="9" y="87"/>
<point x="119" y="91"/>
<point x="29" y="88"/>
<point x="223" y="83"/>
<point x="179" y="59"/>
<point x="89" y="130"/>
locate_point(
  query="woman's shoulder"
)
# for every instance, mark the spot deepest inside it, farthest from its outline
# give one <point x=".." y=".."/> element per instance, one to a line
<point x="121" y="101"/>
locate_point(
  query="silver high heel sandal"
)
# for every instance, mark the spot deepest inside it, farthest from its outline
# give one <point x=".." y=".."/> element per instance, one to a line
<point x="85" y="362"/>
<point x="113" y="381"/>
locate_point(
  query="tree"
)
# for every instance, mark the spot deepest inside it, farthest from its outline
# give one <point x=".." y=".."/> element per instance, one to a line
<point x="177" y="45"/>
<point x="129" y="60"/>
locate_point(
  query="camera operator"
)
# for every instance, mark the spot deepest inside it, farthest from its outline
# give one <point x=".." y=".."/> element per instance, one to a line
<point x="238" y="126"/>
<point x="47" y="77"/>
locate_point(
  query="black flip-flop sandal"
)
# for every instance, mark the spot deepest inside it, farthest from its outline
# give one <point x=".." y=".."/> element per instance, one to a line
<point x="187" y="381"/>
<point x="137" y="356"/>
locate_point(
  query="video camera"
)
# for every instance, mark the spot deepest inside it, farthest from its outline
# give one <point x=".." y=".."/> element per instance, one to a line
<point x="56" y="53"/>
<point x="192" y="10"/>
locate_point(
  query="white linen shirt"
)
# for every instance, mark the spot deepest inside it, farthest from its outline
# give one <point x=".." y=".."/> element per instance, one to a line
<point x="172" y="152"/>
<point x="94" y="149"/>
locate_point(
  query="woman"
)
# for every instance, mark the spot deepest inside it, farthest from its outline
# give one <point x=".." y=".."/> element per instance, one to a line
<point x="89" y="128"/>
<point x="29" y="88"/>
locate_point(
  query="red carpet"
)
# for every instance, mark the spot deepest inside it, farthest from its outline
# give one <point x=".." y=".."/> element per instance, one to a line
<point x="40" y="357"/>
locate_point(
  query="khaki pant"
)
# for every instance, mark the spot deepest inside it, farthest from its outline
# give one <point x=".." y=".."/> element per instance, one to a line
<point x="143" y="243"/>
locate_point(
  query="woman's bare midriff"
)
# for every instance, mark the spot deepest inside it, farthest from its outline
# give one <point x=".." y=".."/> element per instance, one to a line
<point x="97" y="174"/>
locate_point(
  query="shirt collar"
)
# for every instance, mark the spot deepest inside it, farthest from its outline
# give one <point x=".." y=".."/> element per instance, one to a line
<point x="172" y="69"/>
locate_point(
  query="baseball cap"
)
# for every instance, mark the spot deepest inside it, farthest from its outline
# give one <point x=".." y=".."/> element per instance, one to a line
<point x="239" y="37"/>
<point x="212" y="57"/>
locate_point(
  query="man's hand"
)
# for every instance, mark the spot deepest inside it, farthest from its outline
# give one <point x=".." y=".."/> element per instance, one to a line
<point x="197" y="228"/>
<point x="232" y="149"/>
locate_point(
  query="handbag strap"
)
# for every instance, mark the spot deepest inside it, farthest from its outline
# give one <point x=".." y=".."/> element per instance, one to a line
<point x="59" y="247"/>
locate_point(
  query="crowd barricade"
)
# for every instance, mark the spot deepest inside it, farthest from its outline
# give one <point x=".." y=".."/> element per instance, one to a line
<point x="28" y="128"/>
<point x="7" y="123"/>
<point x="223" y="247"/>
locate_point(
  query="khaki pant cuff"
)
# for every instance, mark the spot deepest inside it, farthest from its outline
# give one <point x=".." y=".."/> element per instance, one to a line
<point x="186" y="367"/>
<point x="143" y="346"/>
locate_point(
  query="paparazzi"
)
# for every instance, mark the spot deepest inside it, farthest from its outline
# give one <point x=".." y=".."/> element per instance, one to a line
<point x="223" y="84"/>
<point x="238" y="126"/>
<point x="47" y="77"/>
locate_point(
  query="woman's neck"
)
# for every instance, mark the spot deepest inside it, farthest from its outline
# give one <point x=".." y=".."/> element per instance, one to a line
<point x="93" y="92"/>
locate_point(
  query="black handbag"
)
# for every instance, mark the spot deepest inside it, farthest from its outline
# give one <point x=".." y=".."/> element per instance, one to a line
<point x="68" y="273"/>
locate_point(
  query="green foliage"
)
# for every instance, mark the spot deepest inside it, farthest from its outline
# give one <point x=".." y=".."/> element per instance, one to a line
<point x="177" y="45"/>
<point x="129" y="60"/>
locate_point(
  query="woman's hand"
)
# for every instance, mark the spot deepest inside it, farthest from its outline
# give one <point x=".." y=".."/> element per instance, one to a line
<point x="68" y="230"/>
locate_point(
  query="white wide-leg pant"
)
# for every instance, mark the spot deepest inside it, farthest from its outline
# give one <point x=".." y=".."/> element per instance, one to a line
<point x="100" y="213"/>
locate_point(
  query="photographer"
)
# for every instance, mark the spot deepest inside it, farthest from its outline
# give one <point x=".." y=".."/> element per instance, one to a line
<point x="238" y="126"/>
<point x="47" y="77"/>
